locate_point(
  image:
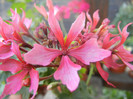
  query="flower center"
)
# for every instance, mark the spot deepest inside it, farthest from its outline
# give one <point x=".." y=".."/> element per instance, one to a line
<point x="65" y="52"/>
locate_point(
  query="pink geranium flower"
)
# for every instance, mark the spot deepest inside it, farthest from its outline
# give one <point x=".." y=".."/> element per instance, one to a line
<point x="118" y="50"/>
<point x="50" y="6"/>
<point x="15" y="82"/>
<point x="8" y="35"/>
<point x="67" y="71"/>
<point x="21" y="25"/>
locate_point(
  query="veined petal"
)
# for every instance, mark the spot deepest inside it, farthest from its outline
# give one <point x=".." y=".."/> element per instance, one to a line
<point x="34" y="82"/>
<point x="67" y="73"/>
<point x="40" y="55"/>
<point x="89" y="52"/>
<point x="55" y="27"/>
<point x="5" y="51"/>
<point x="103" y="73"/>
<point x="75" y="29"/>
<point x="11" y="65"/>
<point x="14" y="84"/>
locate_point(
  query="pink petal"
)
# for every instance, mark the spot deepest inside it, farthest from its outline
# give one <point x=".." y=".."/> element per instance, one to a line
<point x="18" y="37"/>
<point x="75" y="29"/>
<point x="5" y="51"/>
<point x="6" y="30"/>
<point x="14" y="84"/>
<point x="67" y="73"/>
<point x="89" y="18"/>
<point x="11" y="65"/>
<point x="124" y="34"/>
<point x="15" y="16"/>
<point x="41" y="10"/>
<point x="27" y="22"/>
<point x="89" y="52"/>
<point x="103" y="73"/>
<point x="34" y="82"/>
<point x="107" y="43"/>
<point x="15" y="49"/>
<point x="96" y="19"/>
<point x="110" y="62"/>
<point x="55" y="27"/>
<point x="23" y="28"/>
<point x="127" y="64"/>
<point x="50" y="5"/>
<point x="40" y="55"/>
<point x="124" y="54"/>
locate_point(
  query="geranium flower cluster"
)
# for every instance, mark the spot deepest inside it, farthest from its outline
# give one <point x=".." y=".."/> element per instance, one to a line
<point x="84" y="44"/>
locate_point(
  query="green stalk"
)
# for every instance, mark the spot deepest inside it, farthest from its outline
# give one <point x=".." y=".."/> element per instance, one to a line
<point x="90" y="73"/>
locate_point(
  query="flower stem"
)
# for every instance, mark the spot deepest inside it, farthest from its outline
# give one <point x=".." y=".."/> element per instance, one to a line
<point x="46" y="77"/>
<point x="63" y="27"/>
<point x="90" y="73"/>
<point x="23" y="50"/>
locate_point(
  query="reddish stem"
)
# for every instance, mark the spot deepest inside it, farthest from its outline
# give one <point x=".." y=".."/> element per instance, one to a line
<point x="46" y="77"/>
<point x="23" y="50"/>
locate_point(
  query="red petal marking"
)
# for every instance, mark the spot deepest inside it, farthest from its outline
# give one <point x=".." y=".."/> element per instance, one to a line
<point x="14" y="84"/>
<point x="34" y="82"/>
<point x="5" y="51"/>
<point x="89" y="52"/>
<point x="75" y="29"/>
<point x="55" y="27"/>
<point x="41" y="10"/>
<point x="40" y="55"/>
<point x="11" y="65"/>
<point x="103" y="73"/>
<point x="67" y="73"/>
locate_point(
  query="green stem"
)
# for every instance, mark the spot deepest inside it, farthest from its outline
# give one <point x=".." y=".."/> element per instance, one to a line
<point x="63" y="27"/>
<point x="90" y="73"/>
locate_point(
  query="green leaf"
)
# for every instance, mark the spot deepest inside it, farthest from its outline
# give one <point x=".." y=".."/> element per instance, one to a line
<point x="81" y="72"/>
